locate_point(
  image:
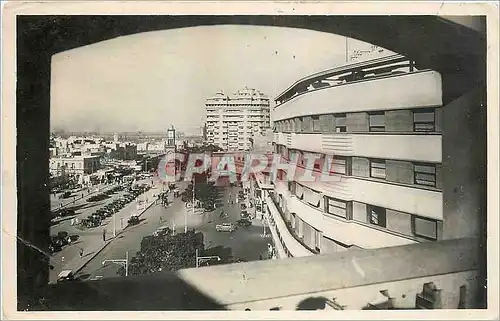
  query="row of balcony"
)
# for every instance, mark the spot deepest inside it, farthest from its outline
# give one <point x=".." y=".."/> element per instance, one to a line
<point x="347" y="232"/>
<point x="402" y="91"/>
<point x="412" y="147"/>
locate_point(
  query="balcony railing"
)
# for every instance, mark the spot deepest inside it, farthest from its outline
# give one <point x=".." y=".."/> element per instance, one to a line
<point x="420" y="89"/>
<point x="288" y="226"/>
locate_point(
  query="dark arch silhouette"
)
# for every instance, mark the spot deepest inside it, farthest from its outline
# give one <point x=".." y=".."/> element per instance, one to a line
<point x="431" y="41"/>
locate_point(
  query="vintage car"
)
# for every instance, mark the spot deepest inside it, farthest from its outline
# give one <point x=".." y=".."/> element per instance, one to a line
<point x="65" y="276"/>
<point x="133" y="220"/>
<point x="244" y="222"/>
<point x="225" y="227"/>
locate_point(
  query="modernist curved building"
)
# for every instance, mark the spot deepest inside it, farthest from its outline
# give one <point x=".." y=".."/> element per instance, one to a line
<point x="381" y="120"/>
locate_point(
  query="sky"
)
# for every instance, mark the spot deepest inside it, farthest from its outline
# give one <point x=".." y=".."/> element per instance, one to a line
<point x="150" y="81"/>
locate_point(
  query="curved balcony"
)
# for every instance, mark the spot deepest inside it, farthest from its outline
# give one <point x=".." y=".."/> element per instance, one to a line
<point x="347" y="232"/>
<point x="287" y="237"/>
<point x="410" y="199"/>
<point x="401" y="91"/>
<point x="407" y="146"/>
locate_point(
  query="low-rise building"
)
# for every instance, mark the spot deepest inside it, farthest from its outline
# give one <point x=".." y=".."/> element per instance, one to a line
<point x="76" y="167"/>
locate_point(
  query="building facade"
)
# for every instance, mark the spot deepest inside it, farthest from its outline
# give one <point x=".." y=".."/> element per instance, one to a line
<point x="122" y="150"/>
<point x="233" y="120"/>
<point x="376" y="126"/>
<point x="77" y="165"/>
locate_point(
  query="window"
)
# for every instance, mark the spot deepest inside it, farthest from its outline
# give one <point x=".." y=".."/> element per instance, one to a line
<point x="376" y="215"/>
<point x="423" y="120"/>
<point x="298" y="124"/>
<point x="312" y="197"/>
<point x="377" y="122"/>
<point x="336" y="207"/>
<point x="425" y="174"/>
<point x="316" y="123"/>
<point x="339" y="165"/>
<point x="424" y="227"/>
<point x="340" y="123"/>
<point x="377" y="168"/>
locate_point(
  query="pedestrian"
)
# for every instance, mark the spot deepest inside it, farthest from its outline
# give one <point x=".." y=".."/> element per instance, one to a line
<point x="260" y="257"/>
<point x="62" y="259"/>
<point x="104" y="235"/>
<point x="81" y="252"/>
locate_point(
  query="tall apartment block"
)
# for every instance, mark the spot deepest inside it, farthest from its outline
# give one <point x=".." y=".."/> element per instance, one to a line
<point x="233" y="120"/>
<point x="380" y="121"/>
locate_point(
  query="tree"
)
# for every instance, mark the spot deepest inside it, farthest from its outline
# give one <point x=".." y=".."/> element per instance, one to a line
<point x="170" y="252"/>
<point x="166" y="253"/>
<point x="206" y="193"/>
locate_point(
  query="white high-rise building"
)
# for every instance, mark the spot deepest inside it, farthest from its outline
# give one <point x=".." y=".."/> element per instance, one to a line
<point x="234" y="120"/>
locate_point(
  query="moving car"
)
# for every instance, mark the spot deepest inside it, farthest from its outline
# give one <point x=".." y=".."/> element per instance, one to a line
<point x="133" y="220"/>
<point x="225" y="227"/>
<point x="244" y="222"/>
<point x="244" y="214"/>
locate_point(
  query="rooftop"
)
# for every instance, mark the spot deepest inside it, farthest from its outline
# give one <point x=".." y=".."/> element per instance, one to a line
<point x="278" y="283"/>
<point x="241" y="94"/>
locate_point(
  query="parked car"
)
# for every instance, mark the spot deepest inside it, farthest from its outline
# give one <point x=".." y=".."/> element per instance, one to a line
<point x="54" y="247"/>
<point x="244" y="222"/>
<point x="66" y="194"/>
<point x="65" y="276"/>
<point x="162" y="230"/>
<point x="133" y="220"/>
<point x="225" y="227"/>
<point x="64" y="212"/>
<point x="64" y="237"/>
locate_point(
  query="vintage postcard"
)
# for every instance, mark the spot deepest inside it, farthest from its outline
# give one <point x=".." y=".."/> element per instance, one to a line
<point x="249" y="160"/>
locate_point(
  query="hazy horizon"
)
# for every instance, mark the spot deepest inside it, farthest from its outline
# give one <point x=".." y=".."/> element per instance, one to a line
<point x="150" y="81"/>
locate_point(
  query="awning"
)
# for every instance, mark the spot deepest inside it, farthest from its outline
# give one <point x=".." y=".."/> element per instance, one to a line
<point x="299" y="191"/>
<point x="312" y="197"/>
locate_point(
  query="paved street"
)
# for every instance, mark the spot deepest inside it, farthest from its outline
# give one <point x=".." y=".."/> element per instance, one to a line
<point x="90" y="240"/>
<point x="246" y="243"/>
<point x="76" y="197"/>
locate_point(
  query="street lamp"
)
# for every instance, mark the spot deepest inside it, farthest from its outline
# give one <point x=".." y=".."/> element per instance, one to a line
<point x="122" y="262"/>
<point x="198" y="258"/>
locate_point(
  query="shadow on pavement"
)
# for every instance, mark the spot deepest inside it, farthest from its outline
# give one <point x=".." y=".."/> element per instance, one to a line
<point x="160" y="291"/>
<point x="90" y="253"/>
<point x="83" y="277"/>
